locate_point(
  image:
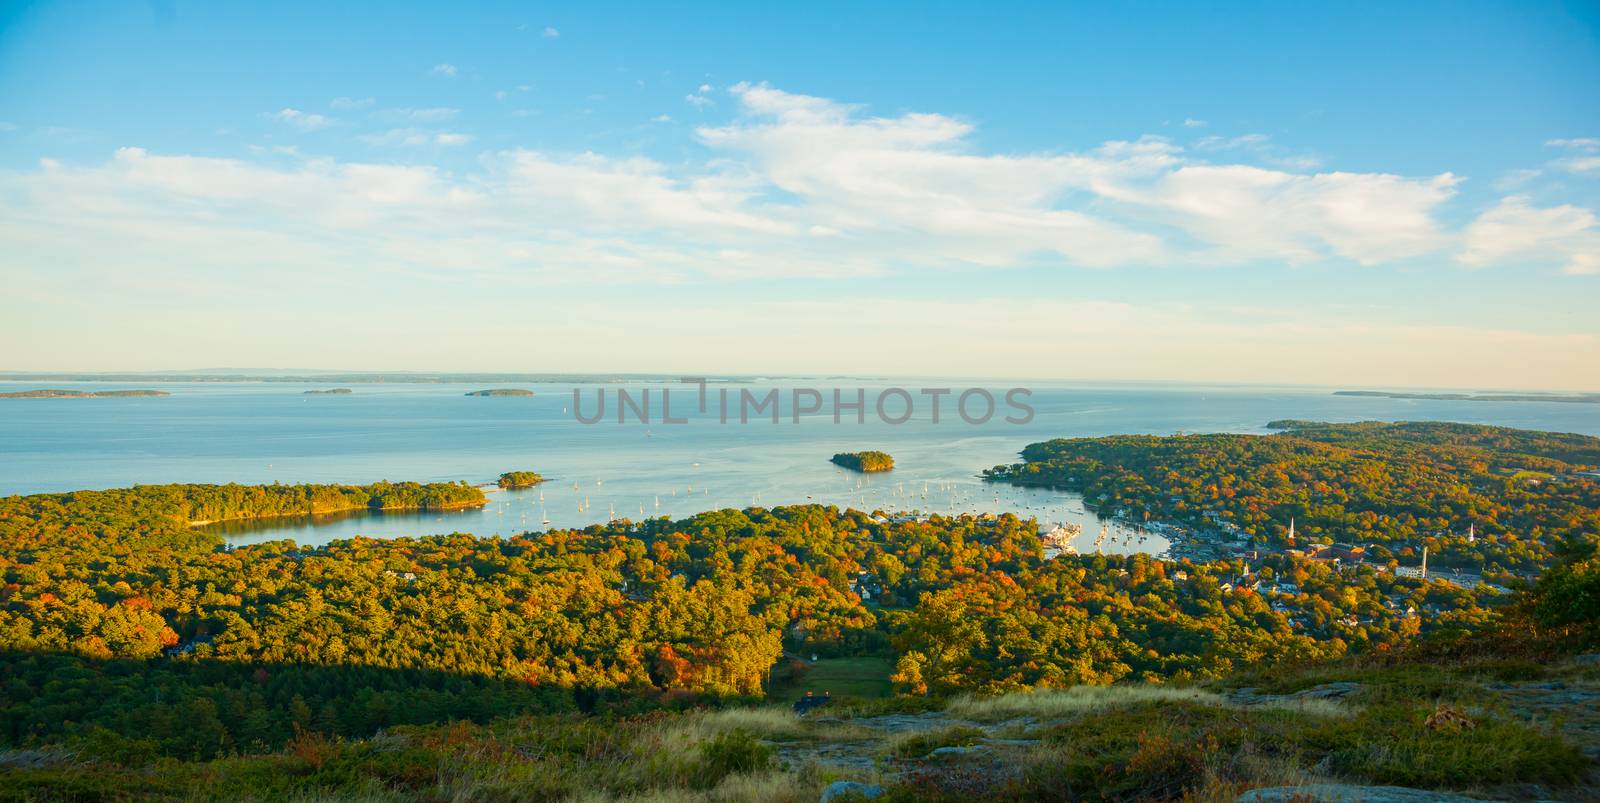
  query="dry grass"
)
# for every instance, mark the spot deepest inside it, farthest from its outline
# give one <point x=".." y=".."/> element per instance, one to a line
<point x="1048" y="704"/>
<point x="765" y="787"/>
<point x="1060" y="703"/>
<point x="775" y="724"/>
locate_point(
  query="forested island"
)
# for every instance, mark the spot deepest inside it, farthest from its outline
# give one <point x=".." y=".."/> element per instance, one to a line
<point x="512" y="480"/>
<point x="523" y="667"/>
<point x="329" y="392"/>
<point x="205" y="504"/>
<point x="1569" y="398"/>
<point x="501" y="392"/>
<point x="51" y="393"/>
<point x="866" y="462"/>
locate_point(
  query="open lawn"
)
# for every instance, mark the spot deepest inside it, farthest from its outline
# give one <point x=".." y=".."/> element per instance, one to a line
<point x="866" y="678"/>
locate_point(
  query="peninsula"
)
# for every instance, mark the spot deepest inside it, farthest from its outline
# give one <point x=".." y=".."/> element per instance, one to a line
<point x="52" y="393"/>
<point x="1569" y="398"/>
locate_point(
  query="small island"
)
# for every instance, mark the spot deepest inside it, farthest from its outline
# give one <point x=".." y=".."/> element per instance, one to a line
<point x="329" y="392"/>
<point x="512" y="480"/>
<point x="51" y="393"/>
<point x="501" y="392"/>
<point x="1567" y="398"/>
<point x="865" y="462"/>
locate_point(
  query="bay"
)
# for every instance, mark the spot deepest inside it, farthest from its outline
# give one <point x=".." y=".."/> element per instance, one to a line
<point x="263" y="432"/>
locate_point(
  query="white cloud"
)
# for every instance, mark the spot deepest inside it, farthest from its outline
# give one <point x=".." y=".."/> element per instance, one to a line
<point x="447" y="70"/>
<point x="304" y="121"/>
<point x="662" y="118"/>
<point x="412" y="137"/>
<point x="791" y="185"/>
<point x="551" y="33"/>
<point x="431" y="114"/>
<point x="1516" y="179"/>
<point x="1585" y="165"/>
<point x="1216" y="143"/>
<point x="7" y="126"/>
<point x="1585" y="144"/>
<point x="1584" y="158"/>
<point x="1193" y="123"/>
<point x="352" y="104"/>
<point x="1516" y="230"/>
<point x="698" y="101"/>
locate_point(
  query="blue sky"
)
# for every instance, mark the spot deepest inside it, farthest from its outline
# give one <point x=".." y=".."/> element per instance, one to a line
<point x="1239" y="192"/>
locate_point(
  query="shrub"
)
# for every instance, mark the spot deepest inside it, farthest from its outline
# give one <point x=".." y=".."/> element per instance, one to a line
<point x="917" y="745"/>
<point x="734" y="752"/>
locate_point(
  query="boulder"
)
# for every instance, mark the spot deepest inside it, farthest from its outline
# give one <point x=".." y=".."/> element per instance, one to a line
<point x="851" y="790"/>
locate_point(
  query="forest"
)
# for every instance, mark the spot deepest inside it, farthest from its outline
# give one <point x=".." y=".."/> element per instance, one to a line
<point x="130" y="635"/>
<point x="1499" y="502"/>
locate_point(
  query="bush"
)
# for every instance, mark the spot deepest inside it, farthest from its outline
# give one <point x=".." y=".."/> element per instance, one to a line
<point x="1568" y="596"/>
<point x="731" y="753"/>
<point x="917" y="745"/>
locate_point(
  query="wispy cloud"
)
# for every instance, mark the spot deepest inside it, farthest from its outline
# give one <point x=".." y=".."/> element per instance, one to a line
<point x="305" y="121"/>
<point x="551" y="33"/>
<point x="352" y="104"/>
<point x="1583" y="155"/>
<point x="415" y="136"/>
<point x="701" y="97"/>
<point x="803" y="185"/>
<point x="447" y="70"/>
<point x="432" y="114"/>
<point x="1193" y="123"/>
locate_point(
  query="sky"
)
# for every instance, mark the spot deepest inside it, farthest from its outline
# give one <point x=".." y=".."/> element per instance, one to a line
<point x="1363" y="195"/>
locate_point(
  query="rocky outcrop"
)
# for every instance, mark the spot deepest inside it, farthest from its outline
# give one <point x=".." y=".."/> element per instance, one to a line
<point x="1348" y="793"/>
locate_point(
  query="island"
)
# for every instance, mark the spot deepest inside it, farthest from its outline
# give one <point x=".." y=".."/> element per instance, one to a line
<point x="329" y="392"/>
<point x="52" y="393"/>
<point x="865" y="462"/>
<point x="1567" y="398"/>
<point x="501" y="392"/>
<point x="511" y="480"/>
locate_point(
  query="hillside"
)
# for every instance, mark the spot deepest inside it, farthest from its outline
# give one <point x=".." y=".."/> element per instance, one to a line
<point x="1463" y="719"/>
<point x="143" y="657"/>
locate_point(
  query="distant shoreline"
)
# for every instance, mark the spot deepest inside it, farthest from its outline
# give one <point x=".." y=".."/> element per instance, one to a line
<point x="1565" y="398"/>
<point x="56" y="393"/>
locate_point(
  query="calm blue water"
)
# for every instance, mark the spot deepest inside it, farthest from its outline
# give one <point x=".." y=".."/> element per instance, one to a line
<point x="272" y="432"/>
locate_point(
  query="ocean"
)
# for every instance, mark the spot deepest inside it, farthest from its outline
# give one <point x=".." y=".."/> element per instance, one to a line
<point x="264" y="432"/>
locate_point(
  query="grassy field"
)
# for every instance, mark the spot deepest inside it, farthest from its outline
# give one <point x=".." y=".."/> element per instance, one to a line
<point x="866" y="678"/>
